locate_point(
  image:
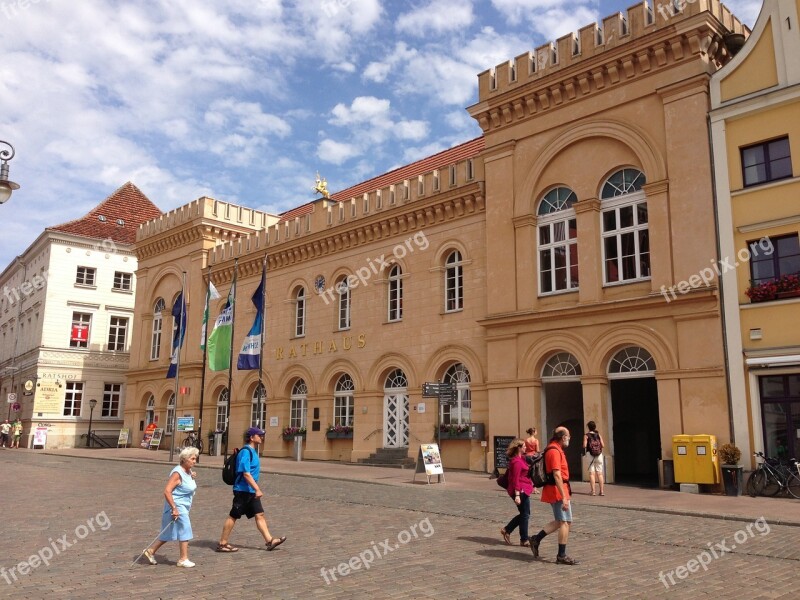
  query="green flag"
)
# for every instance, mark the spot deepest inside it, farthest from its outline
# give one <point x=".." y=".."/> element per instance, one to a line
<point x="219" y="342"/>
<point x="211" y="294"/>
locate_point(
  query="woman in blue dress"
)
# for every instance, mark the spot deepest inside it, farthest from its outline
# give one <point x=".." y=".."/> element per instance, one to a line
<point x="179" y="492"/>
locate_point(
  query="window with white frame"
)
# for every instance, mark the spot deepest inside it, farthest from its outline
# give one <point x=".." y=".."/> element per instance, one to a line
<point x="343" y="401"/>
<point x="117" y="334"/>
<point x="259" y="418"/>
<point x="454" y="282"/>
<point x="170" y="414"/>
<point x="300" y="313"/>
<point x="73" y="397"/>
<point x="343" y="289"/>
<point x="158" y="323"/>
<point x="395" y="293"/>
<point x="85" y="276"/>
<point x="81" y="326"/>
<point x="112" y="394"/>
<point x="298" y="400"/>
<point x="557" y="241"/>
<point x="626" y="237"/>
<point x="459" y="413"/>
<point x="150" y="411"/>
<point x="123" y="281"/>
<point x="222" y="410"/>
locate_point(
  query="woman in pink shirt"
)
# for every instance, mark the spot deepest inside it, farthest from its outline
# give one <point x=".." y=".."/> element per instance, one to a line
<point x="520" y="488"/>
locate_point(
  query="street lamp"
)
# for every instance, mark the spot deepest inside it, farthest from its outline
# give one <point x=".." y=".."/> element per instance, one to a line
<point x="92" y="404"/>
<point x="6" y="186"/>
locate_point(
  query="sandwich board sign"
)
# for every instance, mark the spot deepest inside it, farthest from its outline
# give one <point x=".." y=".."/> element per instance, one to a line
<point x="429" y="461"/>
<point x="155" y="441"/>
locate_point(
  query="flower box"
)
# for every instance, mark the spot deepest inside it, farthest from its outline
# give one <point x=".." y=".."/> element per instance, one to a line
<point x="787" y="286"/>
<point x="289" y="437"/>
<point x="465" y="431"/>
<point x="339" y="435"/>
<point x="464" y="435"/>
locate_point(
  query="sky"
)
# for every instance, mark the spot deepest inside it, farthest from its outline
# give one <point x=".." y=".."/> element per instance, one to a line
<point x="245" y="100"/>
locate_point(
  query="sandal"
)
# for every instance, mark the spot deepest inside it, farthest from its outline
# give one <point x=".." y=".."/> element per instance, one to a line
<point x="525" y="543"/>
<point x="275" y="542"/>
<point x="506" y="536"/>
<point x="226" y="548"/>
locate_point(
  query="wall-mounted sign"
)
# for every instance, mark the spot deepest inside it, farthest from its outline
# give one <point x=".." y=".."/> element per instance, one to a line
<point x="49" y="397"/>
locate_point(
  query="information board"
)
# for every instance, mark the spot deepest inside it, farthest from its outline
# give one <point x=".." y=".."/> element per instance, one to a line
<point x="185" y="423"/>
<point x="155" y="441"/>
<point x="501" y="443"/>
<point x="39" y="436"/>
<point x="429" y="461"/>
<point x="49" y="397"/>
<point x="148" y="435"/>
<point x="122" y="440"/>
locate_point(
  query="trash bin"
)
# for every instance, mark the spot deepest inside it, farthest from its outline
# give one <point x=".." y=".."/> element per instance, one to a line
<point x="217" y="445"/>
<point x="298" y="447"/>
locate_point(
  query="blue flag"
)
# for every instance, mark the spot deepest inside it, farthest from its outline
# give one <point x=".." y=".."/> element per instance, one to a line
<point x="179" y="314"/>
<point x="250" y="356"/>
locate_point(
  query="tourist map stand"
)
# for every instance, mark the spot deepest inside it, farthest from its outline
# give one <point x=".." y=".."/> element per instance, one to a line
<point x="429" y="461"/>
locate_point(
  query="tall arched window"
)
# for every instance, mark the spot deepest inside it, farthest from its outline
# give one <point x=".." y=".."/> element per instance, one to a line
<point x="453" y="282"/>
<point x="300" y="313"/>
<point x="222" y="410"/>
<point x="395" y="293"/>
<point x="158" y="322"/>
<point x="459" y="413"/>
<point x="558" y="241"/>
<point x="343" y="401"/>
<point x="259" y="419"/>
<point x="343" y="289"/>
<point x="297" y="416"/>
<point x="150" y="411"/>
<point x="626" y="238"/>
<point x="170" y="414"/>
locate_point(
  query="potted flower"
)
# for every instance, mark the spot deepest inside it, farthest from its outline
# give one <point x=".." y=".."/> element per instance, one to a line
<point x="454" y="431"/>
<point x="732" y="471"/>
<point x="788" y="286"/>
<point x="289" y="433"/>
<point x="762" y="292"/>
<point x="339" y="432"/>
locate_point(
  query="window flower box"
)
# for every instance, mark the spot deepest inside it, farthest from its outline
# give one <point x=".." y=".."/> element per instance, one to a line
<point x="339" y="432"/>
<point x="465" y="431"/>
<point x="289" y="433"/>
<point x="786" y="286"/>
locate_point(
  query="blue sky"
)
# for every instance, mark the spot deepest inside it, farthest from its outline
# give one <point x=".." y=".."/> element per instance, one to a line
<point x="244" y="100"/>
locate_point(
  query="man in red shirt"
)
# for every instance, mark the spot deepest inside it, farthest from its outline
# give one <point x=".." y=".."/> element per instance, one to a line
<point x="557" y="494"/>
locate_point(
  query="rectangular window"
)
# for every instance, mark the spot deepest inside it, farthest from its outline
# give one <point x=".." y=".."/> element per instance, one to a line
<point x="79" y="335"/>
<point x="222" y="416"/>
<point x="626" y="243"/>
<point x="85" y="276"/>
<point x="297" y="417"/>
<point x="470" y="170"/>
<point x="344" y="304"/>
<point x="343" y="410"/>
<point x="300" y="314"/>
<point x="379" y="199"/>
<point x="452" y="175"/>
<point x="112" y="393"/>
<point x="73" y="398"/>
<point x="782" y="260"/>
<point x="123" y="281"/>
<point x="558" y="256"/>
<point x="117" y="334"/>
<point x="366" y="203"/>
<point x="766" y="162"/>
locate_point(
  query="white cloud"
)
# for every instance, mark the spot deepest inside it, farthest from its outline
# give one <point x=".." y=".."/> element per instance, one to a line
<point x="363" y="110"/>
<point x="438" y="16"/>
<point x="336" y="152"/>
<point x="550" y="18"/>
<point x="411" y="130"/>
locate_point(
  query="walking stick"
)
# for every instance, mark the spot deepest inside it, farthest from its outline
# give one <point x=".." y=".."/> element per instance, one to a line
<point x="154" y="541"/>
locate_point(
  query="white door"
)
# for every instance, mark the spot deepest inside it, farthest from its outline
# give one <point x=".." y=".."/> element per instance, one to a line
<point x="395" y="411"/>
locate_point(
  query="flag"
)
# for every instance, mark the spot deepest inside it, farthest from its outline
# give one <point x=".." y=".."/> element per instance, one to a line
<point x="250" y="356"/>
<point x="219" y="342"/>
<point x="179" y="314"/>
<point x="211" y="294"/>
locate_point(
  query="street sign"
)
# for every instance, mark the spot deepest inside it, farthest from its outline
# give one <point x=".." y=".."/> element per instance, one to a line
<point x="12" y="397"/>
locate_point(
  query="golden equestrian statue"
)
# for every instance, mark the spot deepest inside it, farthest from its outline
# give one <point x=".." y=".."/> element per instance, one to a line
<point x="322" y="188"/>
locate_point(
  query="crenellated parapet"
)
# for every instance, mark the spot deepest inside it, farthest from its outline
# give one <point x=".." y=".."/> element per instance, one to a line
<point x="624" y="47"/>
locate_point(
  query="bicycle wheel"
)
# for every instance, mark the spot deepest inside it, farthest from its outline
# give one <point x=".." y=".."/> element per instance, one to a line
<point x="772" y="484"/>
<point x="756" y="482"/>
<point x="186" y="443"/>
<point x="793" y="484"/>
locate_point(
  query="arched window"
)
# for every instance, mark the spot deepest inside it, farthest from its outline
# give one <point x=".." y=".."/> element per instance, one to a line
<point x="158" y="322"/>
<point x="558" y="241"/>
<point x="259" y="418"/>
<point x="170" y="414"/>
<point x="626" y="237"/>
<point x="562" y="364"/>
<point x="395" y="293"/>
<point x="632" y="361"/>
<point x="396" y="380"/>
<point x="343" y="289"/>
<point x="297" y="416"/>
<point x="459" y="413"/>
<point x="222" y="410"/>
<point x="300" y="313"/>
<point x="453" y="282"/>
<point x="343" y="401"/>
<point x="150" y="411"/>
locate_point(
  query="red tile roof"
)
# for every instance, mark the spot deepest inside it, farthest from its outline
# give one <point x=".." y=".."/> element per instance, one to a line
<point x="127" y="204"/>
<point x="447" y="157"/>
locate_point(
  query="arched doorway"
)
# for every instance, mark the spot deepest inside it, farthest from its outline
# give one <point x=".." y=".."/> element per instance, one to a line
<point x="634" y="408"/>
<point x="395" y="410"/>
<point x="562" y="399"/>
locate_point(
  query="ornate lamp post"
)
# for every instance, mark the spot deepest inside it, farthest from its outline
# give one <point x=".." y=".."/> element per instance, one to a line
<point x="92" y="404"/>
<point x="6" y="186"/>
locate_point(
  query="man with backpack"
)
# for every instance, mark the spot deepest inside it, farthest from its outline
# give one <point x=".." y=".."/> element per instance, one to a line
<point x="556" y="492"/>
<point x="593" y="443"/>
<point x="247" y="495"/>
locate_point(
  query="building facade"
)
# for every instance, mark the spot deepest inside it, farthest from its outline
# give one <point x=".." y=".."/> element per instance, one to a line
<point x="547" y="269"/>
<point x="66" y="316"/>
<point x="755" y="126"/>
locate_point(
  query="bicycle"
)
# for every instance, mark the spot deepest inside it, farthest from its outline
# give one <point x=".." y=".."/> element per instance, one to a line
<point x="772" y="476"/>
<point x="193" y="440"/>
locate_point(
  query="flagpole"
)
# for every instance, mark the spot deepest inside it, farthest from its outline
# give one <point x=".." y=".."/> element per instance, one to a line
<point x="230" y="358"/>
<point x="262" y="389"/>
<point x="177" y="371"/>
<point x="206" y="316"/>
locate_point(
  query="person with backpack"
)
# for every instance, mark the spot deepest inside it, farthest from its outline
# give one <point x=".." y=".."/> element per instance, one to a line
<point x="556" y="492"/>
<point x="247" y="494"/>
<point x="593" y="443"/>
<point x="520" y="489"/>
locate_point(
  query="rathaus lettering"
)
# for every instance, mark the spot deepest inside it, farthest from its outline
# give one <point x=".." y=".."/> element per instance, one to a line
<point x="320" y="347"/>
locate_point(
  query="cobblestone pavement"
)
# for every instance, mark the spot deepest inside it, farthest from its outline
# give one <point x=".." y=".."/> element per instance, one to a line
<point x="90" y="519"/>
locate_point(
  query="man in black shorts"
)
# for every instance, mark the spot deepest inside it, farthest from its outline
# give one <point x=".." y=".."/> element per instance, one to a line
<point x="247" y="494"/>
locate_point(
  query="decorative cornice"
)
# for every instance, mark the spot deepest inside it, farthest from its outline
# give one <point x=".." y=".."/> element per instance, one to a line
<point x="656" y="187"/>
